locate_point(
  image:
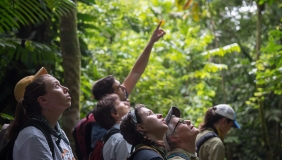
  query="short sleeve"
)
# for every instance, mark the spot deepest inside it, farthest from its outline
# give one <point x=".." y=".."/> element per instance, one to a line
<point x="217" y="151"/>
<point x="122" y="149"/>
<point x="31" y="144"/>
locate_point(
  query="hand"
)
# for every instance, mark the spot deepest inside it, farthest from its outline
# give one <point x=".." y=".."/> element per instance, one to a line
<point x="158" y="33"/>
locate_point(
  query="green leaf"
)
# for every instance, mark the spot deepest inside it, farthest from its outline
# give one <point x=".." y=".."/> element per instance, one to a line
<point x="6" y="116"/>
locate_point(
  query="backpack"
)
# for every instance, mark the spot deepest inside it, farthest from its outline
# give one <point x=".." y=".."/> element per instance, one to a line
<point x="203" y="139"/>
<point x="97" y="153"/>
<point x="82" y="135"/>
<point x="6" y="152"/>
<point x="139" y="149"/>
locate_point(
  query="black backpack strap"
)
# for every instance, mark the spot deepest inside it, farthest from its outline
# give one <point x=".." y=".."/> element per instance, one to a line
<point x="109" y="134"/>
<point x="7" y="151"/>
<point x="140" y="149"/>
<point x="203" y="139"/>
<point x="44" y="130"/>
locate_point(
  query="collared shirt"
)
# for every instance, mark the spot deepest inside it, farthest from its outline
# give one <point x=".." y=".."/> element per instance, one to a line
<point x="212" y="149"/>
<point x="180" y="150"/>
<point x="116" y="148"/>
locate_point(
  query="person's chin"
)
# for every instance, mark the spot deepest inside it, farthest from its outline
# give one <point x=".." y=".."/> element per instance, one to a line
<point x="196" y="130"/>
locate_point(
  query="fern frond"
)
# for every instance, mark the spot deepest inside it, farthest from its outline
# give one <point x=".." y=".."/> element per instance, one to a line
<point x="15" y="13"/>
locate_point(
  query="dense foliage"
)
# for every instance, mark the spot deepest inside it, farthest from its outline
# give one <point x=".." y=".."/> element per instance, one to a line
<point x="213" y="52"/>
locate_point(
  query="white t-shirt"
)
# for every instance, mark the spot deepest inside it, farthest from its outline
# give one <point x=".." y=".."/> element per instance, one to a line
<point x="31" y="144"/>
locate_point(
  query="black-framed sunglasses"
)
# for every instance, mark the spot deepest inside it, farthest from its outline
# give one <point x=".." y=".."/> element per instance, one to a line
<point x="178" y="122"/>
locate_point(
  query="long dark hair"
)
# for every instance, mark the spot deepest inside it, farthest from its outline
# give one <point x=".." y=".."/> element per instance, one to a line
<point x="29" y="105"/>
<point x="129" y="131"/>
<point x="210" y="118"/>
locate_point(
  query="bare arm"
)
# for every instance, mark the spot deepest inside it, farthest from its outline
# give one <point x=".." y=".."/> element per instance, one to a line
<point x="142" y="61"/>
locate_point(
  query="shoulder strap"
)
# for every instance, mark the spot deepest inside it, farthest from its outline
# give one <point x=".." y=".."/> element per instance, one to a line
<point x="109" y="134"/>
<point x="182" y="155"/>
<point x="7" y="150"/>
<point x="143" y="148"/>
<point x="44" y="130"/>
<point x="203" y="139"/>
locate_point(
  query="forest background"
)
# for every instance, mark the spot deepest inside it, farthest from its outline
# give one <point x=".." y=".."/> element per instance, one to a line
<point x="213" y="52"/>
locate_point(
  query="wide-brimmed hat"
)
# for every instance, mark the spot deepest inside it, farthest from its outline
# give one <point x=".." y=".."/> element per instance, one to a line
<point x="20" y="86"/>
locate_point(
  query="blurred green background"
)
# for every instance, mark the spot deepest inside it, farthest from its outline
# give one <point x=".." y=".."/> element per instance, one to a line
<point x="213" y="52"/>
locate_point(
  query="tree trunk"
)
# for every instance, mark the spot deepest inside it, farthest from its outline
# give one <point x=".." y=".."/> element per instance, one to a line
<point x="71" y="64"/>
<point x="261" y="102"/>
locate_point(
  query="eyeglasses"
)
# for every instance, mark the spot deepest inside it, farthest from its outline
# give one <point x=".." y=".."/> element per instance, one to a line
<point x="179" y="121"/>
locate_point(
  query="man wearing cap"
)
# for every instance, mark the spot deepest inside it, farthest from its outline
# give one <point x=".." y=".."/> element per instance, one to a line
<point x="180" y="137"/>
<point x="217" y="122"/>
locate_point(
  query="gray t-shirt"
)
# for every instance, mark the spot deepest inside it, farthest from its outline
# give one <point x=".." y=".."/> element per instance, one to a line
<point x="31" y="144"/>
<point x="116" y="148"/>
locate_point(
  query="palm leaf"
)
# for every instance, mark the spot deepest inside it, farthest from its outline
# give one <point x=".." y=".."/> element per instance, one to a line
<point x="34" y="51"/>
<point x="31" y="11"/>
<point x="6" y="116"/>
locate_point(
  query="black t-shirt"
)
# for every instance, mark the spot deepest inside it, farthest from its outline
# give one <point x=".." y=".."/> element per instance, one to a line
<point x="147" y="154"/>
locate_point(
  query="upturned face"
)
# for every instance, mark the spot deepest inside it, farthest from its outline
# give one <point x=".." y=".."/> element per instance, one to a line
<point x="184" y="129"/>
<point x="57" y="96"/>
<point x="122" y="108"/>
<point x="119" y="90"/>
<point x="152" y="123"/>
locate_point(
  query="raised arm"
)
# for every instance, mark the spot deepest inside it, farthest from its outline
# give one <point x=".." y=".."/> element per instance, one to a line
<point x="142" y="61"/>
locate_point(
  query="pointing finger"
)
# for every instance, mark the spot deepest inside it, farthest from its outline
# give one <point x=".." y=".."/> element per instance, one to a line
<point x="159" y="25"/>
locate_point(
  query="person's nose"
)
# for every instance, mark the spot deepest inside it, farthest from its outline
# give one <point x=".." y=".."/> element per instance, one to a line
<point x="188" y="122"/>
<point x="159" y="116"/>
<point x="122" y="87"/>
<point x="65" y="89"/>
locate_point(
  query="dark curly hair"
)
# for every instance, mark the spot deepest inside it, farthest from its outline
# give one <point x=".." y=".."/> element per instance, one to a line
<point x="103" y="87"/>
<point x="210" y="118"/>
<point x="105" y="107"/>
<point x="29" y="105"/>
<point x="129" y="131"/>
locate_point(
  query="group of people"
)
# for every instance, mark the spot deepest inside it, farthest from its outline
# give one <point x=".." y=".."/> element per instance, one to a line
<point x="143" y="134"/>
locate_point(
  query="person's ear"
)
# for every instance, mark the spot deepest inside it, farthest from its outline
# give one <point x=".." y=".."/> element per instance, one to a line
<point x="42" y="100"/>
<point x="115" y="115"/>
<point x="221" y="121"/>
<point x="224" y="121"/>
<point x="173" y="138"/>
<point x="141" y="127"/>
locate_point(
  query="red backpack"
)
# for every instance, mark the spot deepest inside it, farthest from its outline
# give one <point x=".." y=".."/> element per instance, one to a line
<point x="97" y="153"/>
<point x="82" y="136"/>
